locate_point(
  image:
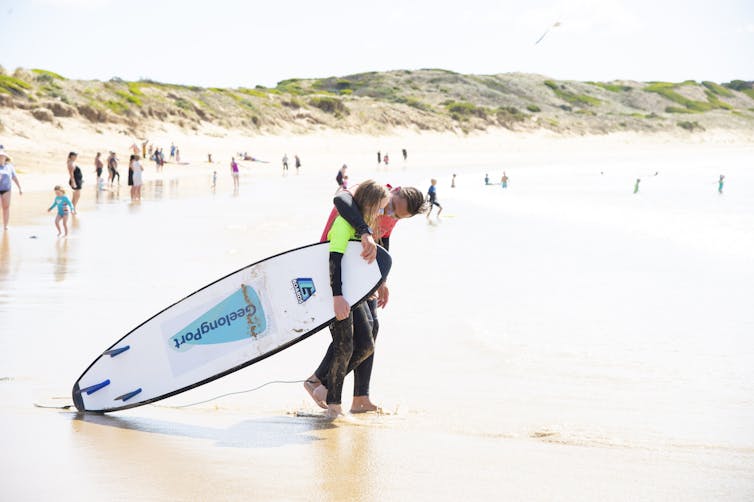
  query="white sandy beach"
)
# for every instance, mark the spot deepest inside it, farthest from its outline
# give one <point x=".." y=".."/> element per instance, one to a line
<point x="563" y="339"/>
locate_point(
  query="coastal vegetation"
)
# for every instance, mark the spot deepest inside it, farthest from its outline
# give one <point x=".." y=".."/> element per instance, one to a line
<point x="427" y="99"/>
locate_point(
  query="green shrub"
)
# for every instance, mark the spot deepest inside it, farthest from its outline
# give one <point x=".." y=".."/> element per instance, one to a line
<point x="533" y="108"/>
<point x="129" y="97"/>
<point x="329" y="105"/>
<point x="117" y="107"/>
<point x="666" y="90"/>
<point x="716" y="102"/>
<point x="675" y="109"/>
<point x="717" y="89"/>
<point x="690" y="126"/>
<point x="46" y="75"/>
<point x="574" y="99"/>
<point x="612" y="87"/>
<point x="13" y="85"/>
<point x="465" y="109"/>
<point x="252" y="92"/>
<point x="135" y="89"/>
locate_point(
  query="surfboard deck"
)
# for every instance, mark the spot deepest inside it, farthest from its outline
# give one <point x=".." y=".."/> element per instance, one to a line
<point x="234" y="322"/>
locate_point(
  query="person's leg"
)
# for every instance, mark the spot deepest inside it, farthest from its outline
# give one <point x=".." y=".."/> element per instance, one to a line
<point x="439" y="210"/>
<point x="65" y="224"/>
<point x="76" y="196"/>
<point x="5" y="198"/>
<point x="57" y="223"/>
<point x="342" y="336"/>
<point x="363" y="343"/>
<point x="362" y="374"/>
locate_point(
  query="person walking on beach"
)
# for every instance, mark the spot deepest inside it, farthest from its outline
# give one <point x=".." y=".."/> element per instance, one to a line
<point x="720" y="184"/>
<point x="350" y="346"/>
<point x="65" y="207"/>
<point x="432" y="198"/>
<point x="172" y="151"/>
<point x="636" y="185"/>
<point x="405" y="202"/>
<point x="234" y="173"/>
<point x="385" y="159"/>
<point x="453" y="182"/>
<point x="7" y="175"/>
<point x="112" y="167"/>
<point x="297" y="162"/>
<point x="131" y="175"/>
<point x="504" y="180"/>
<point x="136" y="170"/>
<point x="76" y="179"/>
<point x="339" y="176"/>
<point x="486" y="179"/>
<point x="98" y="165"/>
<point x="405" y="154"/>
<point x="379" y="157"/>
<point x="285" y="162"/>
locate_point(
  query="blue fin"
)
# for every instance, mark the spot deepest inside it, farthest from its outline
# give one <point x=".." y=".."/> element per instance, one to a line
<point x="125" y="397"/>
<point x="115" y="352"/>
<point x="94" y="388"/>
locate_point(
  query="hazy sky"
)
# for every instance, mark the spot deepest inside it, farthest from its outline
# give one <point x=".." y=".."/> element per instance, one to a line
<point x="244" y="43"/>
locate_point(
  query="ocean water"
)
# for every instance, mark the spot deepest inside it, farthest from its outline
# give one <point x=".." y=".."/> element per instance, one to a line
<point x="563" y="330"/>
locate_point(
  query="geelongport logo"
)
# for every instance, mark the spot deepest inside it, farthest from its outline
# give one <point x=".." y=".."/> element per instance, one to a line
<point x="304" y="288"/>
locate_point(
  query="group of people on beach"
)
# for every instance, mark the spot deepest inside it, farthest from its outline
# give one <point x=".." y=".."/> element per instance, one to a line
<point x="385" y="158"/>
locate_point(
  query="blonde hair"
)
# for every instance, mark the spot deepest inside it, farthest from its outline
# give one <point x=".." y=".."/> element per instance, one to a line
<point x="58" y="188"/>
<point x="369" y="194"/>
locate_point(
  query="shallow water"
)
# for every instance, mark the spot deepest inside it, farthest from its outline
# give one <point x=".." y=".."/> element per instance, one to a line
<point x="563" y="338"/>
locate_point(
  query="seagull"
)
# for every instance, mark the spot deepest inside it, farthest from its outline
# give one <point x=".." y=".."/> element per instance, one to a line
<point x="547" y="31"/>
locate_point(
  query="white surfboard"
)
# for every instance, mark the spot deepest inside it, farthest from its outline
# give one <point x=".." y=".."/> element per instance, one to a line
<point x="236" y="321"/>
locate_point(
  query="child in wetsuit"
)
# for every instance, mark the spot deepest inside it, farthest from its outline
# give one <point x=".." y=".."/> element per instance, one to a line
<point x="348" y="352"/>
<point x="65" y="207"/>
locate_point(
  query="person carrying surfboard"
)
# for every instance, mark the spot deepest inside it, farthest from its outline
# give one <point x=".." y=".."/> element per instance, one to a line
<point x="405" y="202"/>
<point x="349" y="350"/>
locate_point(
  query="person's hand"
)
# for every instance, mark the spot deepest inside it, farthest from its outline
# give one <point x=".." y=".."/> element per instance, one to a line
<point x="342" y="308"/>
<point x="383" y="294"/>
<point x="368" y="248"/>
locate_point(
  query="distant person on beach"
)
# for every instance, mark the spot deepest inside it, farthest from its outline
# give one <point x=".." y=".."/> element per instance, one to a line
<point x="65" y="207"/>
<point x="405" y="202"/>
<point x="75" y="177"/>
<point x="504" y="180"/>
<point x="352" y="341"/>
<point x="98" y="166"/>
<point x="385" y="159"/>
<point x="636" y="185"/>
<point x="432" y="198"/>
<point x="453" y="182"/>
<point x="136" y="169"/>
<point x="144" y="148"/>
<point x="214" y="179"/>
<point x="285" y="162"/>
<point x="172" y="151"/>
<point x="486" y="179"/>
<point x="234" y="173"/>
<point x="209" y="158"/>
<point x="405" y="154"/>
<point x="177" y="157"/>
<point x="339" y="176"/>
<point x="7" y="175"/>
<point x="720" y="184"/>
<point x="297" y="162"/>
<point x="379" y="157"/>
<point x="112" y="167"/>
<point x="131" y="175"/>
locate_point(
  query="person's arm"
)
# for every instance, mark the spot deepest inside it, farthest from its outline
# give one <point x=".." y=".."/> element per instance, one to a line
<point x="349" y="210"/>
<point x="54" y="203"/>
<point x="70" y="204"/>
<point x="18" y="184"/>
<point x="339" y="234"/>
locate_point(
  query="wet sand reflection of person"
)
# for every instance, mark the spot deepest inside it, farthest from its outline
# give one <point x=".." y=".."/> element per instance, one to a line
<point x="61" y="260"/>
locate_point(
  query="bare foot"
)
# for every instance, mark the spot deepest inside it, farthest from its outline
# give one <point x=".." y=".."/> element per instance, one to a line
<point x="362" y="404"/>
<point x="334" y="411"/>
<point x="320" y="395"/>
<point x="310" y="385"/>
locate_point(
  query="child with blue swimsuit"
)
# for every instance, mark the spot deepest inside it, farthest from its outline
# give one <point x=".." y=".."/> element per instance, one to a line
<point x="65" y="207"/>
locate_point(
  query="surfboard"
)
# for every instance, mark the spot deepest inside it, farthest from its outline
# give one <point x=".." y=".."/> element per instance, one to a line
<point x="236" y="321"/>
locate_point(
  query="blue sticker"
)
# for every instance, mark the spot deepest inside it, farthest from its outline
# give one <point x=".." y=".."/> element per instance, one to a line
<point x="304" y="288"/>
<point x="237" y="317"/>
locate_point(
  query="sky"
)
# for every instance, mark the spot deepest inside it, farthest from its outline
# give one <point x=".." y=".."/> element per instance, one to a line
<point x="245" y="43"/>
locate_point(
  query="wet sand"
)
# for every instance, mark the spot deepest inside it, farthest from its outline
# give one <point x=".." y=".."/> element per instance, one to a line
<point x="559" y="340"/>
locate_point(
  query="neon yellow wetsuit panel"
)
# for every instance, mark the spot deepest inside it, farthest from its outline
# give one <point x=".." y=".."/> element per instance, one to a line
<point x="339" y="235"/>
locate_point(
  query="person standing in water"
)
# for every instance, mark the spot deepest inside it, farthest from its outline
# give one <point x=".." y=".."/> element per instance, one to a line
<point x="379" y="157"/>
<point x="98" y="165"/>
<point x="405" y="202"/>
<point x="297" y="162"/>
<point x="453" y="182"/>
<point x="137" y="178"/>
<point x="432" y="198"/>
<point x="405" y="154"/>
<point x="486" y="179"/>
<point x="112" y="167"/>
<point x="504" y="180"/>
<point x="75" y="178"/>
<point x="65" y="207"/>
<point x="285" y="162"/>
<point x="385" y="159"/>
<point x="349" y="350"/>
<point x="7" y="175"/>
<point x="636" y="185"/>
<point x="234" y="173"/>
<point x="720" y="184"/>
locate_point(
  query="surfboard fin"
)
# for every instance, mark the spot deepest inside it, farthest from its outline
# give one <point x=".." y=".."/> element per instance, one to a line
<point x="115" y="352"/>
<point x="125" y="397"/>
<point x="94" y="388"/>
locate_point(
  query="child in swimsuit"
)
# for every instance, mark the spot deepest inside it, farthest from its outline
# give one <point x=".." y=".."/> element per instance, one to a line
<point x="65" y="207"/>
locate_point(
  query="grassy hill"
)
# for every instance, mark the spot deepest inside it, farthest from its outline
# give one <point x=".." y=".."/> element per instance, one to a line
<point x="428" y="99"/>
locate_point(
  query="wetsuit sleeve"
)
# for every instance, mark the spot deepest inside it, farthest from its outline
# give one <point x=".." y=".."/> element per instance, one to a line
<point x="349" y="210"/>
<point x="339" y="235"/>
<point x="336" y="281"/>
<point x="54" y="203"/>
